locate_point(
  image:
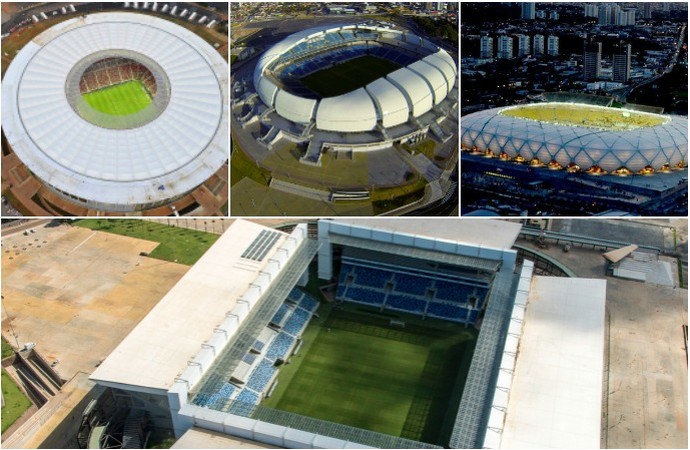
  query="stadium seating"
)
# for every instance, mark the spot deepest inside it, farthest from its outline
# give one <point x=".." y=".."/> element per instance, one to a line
<point x="364" y="295"/>
<point x="297" y="321"/>
<point x="280" y="346"/>
<point x="281" y="314"/>
<point x="447" y="311"/>
<point x="295" y="294"/>
<point x="341" y="291"/>
<point x="309" y="303"/>
<point x="410" y="284"/>
<point x="217" y="399"/>
<point x="405" y="303"/>
<point x="111" y="71"/>
<point x="261" y="375"/>
<point x="244" y="403"/>
<point x="365" y="276"/>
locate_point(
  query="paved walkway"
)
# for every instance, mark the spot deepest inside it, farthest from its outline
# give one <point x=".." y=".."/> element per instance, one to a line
<point x="647" y="401"/>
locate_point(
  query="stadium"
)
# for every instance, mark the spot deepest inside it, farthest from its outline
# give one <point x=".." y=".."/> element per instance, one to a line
<point x="118" y="113"/>
<point x="353" y="92"/>
<point x="578" y="137"/>
<point x="411" y="342"/>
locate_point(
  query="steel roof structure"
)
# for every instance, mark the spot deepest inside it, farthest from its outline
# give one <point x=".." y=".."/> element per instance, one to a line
<point x="634" y="149"/>
<point x="145" y="160"/>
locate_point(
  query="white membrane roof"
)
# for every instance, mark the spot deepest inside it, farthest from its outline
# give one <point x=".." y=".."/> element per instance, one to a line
<point x="171" y="334"/>
<point x="162" y="159"/>
<point x="389" y="98"/>
<point x="390" y="102"/>
<point x="555" y="399"/>
<point x="485" y="233"/>
<point x="415" y="89"/>
<point x="353" y="111"/>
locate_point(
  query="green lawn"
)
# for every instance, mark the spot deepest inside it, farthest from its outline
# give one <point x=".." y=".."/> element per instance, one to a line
<point x="120" y="99"/>
<point x="6" y="349"/>
<point x="15" y="401"/>
<point x="180" y="245"/>
<point x="357" y="370"/>
<point x="349" y="75"/>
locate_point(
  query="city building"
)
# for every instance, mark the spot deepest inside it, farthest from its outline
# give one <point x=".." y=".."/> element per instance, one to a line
<point x="615" y="9"/>
<point x="552" y="46"/>
<point x="540" y="14"/>
<point x="538" y="44"/>
<point x="523" y="44"/>
<point x="621" y="62"/>
<point x="591" y="60"/>
<point x="647" y="10"/>
<point x="553" y="15"/>
<point x="591" y="10"/>
<point x="631" y="16"/>
<point x="528" y="10"/>
<point x="505" y="47"/>
<point x="604" y="12"/>
<point x="486" y="47"/>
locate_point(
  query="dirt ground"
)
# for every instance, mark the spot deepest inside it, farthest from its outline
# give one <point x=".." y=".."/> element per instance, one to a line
<point x="77" y="293"/>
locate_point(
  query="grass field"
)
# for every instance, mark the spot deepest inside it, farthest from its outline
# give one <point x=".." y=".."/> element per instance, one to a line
<point x="15" y="401"/>
<point x="180" y="245"/>
<point x="6" y="349"/>
<point x="357" y="370"/>
<point x="120" y="99"/>
<point x="348" y="76"/>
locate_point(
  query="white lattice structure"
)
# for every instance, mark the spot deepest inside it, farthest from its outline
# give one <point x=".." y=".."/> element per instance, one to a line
<point x="149" y="159"/>
<point x="660" y="146"/>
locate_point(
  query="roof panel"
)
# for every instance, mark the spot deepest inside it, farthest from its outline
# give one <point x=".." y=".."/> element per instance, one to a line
<point x="390" y="102"/>
<point x="294" y="108"/>
<point x="349" y="112"/>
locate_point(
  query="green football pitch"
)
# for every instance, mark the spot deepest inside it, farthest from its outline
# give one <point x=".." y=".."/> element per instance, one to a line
<point x="348" y="76"/>
<point x="356" y="369"/>
<point x="120" y="99"/>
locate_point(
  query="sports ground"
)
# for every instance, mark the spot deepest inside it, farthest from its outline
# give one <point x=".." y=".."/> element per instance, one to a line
<point x="120" y="99"/>
<point x="348" y="76"/>
<point x="357" y="369"/>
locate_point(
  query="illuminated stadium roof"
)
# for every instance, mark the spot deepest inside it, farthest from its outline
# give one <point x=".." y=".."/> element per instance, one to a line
<point x="148" y="159"/>
<point x="416" y="88"/>
<point x="590" y="136"/>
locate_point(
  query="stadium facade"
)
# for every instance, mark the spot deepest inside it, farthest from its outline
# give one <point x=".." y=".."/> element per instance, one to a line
<point x="657" y="143"/>
<point x="208" y="363"/>
<point x="401" y="106"/>
<point x="118" y="163"/>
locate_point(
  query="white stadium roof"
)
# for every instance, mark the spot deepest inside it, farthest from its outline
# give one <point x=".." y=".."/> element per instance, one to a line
<point x="172" y="333"/>
<point x="353" y="111"/>
<point x="390" y="99"/>
<point x="118" y="168"/>
<point x="555" y="396"/>
<point x="390" y="102"/>
<point x="415" y="89"/>
<point x="634" y="149"/>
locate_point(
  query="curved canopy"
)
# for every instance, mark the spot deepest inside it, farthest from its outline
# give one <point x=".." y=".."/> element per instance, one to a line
<point x="118" y="168"/>
<point x="351" y="112"/>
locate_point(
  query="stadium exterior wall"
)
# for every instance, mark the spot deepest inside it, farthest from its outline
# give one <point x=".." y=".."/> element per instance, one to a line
<point x="609" y="149"/>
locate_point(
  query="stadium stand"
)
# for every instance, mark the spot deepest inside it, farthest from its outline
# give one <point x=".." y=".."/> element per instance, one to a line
<point x="405" y="303"/>
<point x="244" y="403"/>
<point x="309" y="303"/>
<point x="280" y="347"/>
<point x="261" y="376"/>
<point x="297" y="321"/>
<point x="411" y="285"/>
<point x="281" y="315"/>
<point x="295" y="295"/>
<point x="425" y="293"/>
<point x="111" y="71"/>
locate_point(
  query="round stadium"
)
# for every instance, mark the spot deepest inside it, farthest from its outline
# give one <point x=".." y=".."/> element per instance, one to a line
<point x="118" y="113"/>
<point x="576" y="137"/>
